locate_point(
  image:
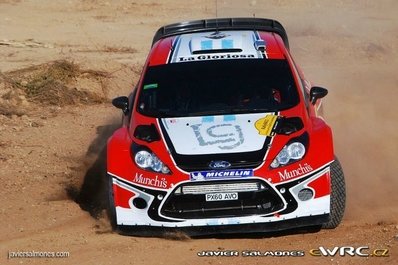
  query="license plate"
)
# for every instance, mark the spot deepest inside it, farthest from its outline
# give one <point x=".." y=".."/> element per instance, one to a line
<point x="230" y="196"/>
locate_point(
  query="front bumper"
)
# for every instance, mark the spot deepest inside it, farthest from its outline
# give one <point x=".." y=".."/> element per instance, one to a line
<point x="280" y="208"/>
<point x="310" y="222"/>
<point x="256" y="197"/>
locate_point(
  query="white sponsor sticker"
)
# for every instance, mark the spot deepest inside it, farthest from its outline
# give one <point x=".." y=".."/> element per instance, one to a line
<point x="215" y="134"/>
<point x="232" y="173"/>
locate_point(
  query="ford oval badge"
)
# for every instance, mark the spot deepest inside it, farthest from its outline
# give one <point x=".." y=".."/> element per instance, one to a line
<point x="219" y="164"/>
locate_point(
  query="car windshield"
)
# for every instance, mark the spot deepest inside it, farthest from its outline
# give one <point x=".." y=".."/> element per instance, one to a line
<point x="217" y="87"/>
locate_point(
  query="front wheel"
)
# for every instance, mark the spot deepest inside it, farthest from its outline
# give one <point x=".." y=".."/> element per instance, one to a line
<point x="111" y="204"/>
<point x="337" y="195"/>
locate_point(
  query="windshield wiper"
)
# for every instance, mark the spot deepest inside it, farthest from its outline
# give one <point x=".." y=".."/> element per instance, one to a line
<point x="209" y="112"/>
<point x="175" y="114"/>
<point x="230" y="111"/>
<point x="164" y="113"/>
<point x="251" y="110"/>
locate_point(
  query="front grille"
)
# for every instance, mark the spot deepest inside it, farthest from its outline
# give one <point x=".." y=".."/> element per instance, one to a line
<point x="223" y="187"/>
<point x="255" y="197"/>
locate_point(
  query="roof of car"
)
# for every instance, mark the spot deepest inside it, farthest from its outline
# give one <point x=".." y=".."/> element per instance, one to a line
<point x="262" y="24"/>
<point x="244" y="38"/>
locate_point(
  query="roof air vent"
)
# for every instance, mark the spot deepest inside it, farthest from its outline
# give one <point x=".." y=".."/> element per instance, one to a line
<point x="216" y="43"/>
<point x="259" y="45"/>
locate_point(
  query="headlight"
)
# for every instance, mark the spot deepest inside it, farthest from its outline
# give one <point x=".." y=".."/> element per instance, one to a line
<point x="294" y="151"/>
<point x="143" y="159"/>
<point x="147" y="160"/>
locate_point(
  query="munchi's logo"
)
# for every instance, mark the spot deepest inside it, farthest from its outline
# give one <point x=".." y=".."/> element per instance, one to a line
<point x="154" y="182"/>
<point x="225" y="136"/>
<point x="266" y="125"/>
<point x="301" y="170"/>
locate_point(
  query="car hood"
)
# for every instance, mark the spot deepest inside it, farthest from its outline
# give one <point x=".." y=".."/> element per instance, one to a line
<point x="220" y="134"/>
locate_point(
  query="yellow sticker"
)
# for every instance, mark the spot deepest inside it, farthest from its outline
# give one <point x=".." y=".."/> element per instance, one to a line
<point x="265" y="125"/>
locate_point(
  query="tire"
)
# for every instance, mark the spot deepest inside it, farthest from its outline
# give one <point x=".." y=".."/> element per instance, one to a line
<point x="111" y="204"/>
<point x="120" y="229"/>
<point x="337" y="195"/>
<point x="111" y="210"/>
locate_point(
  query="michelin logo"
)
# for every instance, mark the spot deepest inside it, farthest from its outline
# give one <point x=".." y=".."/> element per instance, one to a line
<point x="234" y="173"/>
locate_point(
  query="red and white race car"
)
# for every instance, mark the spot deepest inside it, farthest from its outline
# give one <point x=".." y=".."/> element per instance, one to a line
<point x="222" y="135"/>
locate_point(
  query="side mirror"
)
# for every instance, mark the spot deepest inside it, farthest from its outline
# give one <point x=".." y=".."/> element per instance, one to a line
<point x="121" y="103"/>
<point x="317" y="93"/>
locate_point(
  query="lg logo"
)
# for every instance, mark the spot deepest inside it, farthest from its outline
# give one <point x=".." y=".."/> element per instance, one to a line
<point x="225" y="136"/>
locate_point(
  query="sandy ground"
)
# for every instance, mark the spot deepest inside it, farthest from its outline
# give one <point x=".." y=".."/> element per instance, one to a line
<point x="50" y="155"/>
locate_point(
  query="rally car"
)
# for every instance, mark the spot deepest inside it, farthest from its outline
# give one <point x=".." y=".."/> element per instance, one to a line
<point x="222" y="134"/>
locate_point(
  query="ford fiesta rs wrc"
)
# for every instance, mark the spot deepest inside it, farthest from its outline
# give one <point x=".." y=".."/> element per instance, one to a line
<point x="222" y="135"/>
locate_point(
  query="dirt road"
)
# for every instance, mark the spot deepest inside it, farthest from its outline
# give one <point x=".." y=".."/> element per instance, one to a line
<point x="86" y="52"/>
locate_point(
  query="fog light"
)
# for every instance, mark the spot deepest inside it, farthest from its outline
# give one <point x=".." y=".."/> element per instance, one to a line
<point x="140" y="203"/>
<point x="305" y="194"/>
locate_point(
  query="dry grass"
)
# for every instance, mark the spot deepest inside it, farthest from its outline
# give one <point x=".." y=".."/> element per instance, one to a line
<point x="112" y="49"/>
<point x="119" y="49"/>
<point x="55" y="83"/>
<point x="10" y="110"/>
